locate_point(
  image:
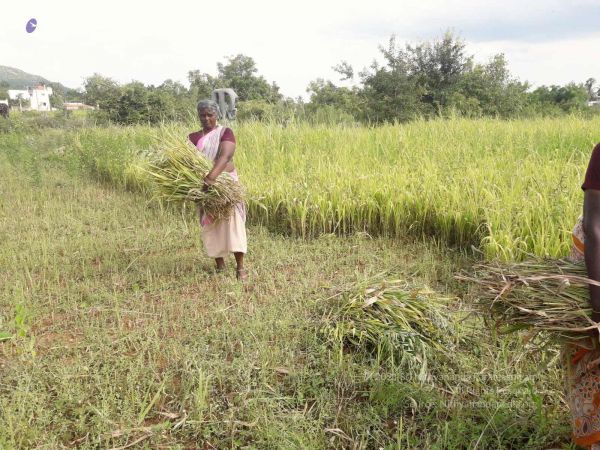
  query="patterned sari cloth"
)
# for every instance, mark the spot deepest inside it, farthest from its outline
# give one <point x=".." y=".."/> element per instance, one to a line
<point x="221" y="237"/>
<point x="582" y="361"/>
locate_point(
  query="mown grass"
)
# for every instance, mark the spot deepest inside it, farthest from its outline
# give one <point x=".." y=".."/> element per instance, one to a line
<point x="510" y="188"/>
<point x="121" y="333"/>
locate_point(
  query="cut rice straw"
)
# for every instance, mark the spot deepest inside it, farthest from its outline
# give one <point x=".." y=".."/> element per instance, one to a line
<point x="395" y="321"/>
<point x="540" y="295"/>
<point x="178" y="175"/>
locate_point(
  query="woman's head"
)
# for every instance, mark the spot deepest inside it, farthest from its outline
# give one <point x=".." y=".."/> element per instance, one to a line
<point x="208" y="113"/>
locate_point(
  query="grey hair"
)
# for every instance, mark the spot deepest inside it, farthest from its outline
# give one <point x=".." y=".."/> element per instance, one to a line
<point x="211" y="105"/>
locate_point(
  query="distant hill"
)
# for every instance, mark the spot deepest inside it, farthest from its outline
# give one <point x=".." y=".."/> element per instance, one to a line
<point x="17" y="79"/>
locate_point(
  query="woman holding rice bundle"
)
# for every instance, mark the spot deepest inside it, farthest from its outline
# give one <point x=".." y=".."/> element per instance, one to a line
<point x="583" y="360"/>
<point x="220" y="237"/>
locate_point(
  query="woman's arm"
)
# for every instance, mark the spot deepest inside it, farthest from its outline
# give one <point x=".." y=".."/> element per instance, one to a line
<point x="226" y="151"/>
<point x="591" y="225"/>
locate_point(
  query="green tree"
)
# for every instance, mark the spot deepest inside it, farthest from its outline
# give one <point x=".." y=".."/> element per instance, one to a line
<point x="490" y="89"/>
<point x="240" y="74"/>
<point x="392" y="95"/>
<point x="202" y="84"/>
<point x="137" y="103"/>
<point x="436" y="67"/>
<point x="133" y="105"/>
<point x="391" y="92"/>
<point x="4" y="87"/>
<point x="569" y="98"/>
<point x="345" y="70"/>
<point x="103" y="92"/>
<point x="326" y="94"/>
<point x="430" y="79"/>
<point x="420" y="80"/>
<point x="58" y="95"/>
<point x="173" y="99"/>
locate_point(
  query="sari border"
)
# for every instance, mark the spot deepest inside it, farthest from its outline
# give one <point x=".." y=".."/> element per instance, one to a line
<point x="588" y="440"/>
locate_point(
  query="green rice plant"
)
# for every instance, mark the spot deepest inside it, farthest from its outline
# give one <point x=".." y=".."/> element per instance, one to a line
<point x="538" y="295"/>
<point x="509" y="188"/>
<point x="113" y="157"/>
<point x="395" y="322"/>
<point x="178" y="175"/>
<point x="21" y="320"/>
<point x="201" y="393"/>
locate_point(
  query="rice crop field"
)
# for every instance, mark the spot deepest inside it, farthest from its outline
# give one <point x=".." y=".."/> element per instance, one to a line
<point x="507" y="188"/>
<point x="115" y="331"/>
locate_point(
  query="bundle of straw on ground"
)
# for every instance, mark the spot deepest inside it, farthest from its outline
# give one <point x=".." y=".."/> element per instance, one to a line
<point x="178" y="175"/>
<point x="540" y="295"/>
<point x="399" y="324"/>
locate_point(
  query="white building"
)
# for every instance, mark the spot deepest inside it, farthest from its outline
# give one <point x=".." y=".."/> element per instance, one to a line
<point x="38" y="97"/>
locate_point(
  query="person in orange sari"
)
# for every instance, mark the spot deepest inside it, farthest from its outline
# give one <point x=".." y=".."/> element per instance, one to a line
<point x="583" y="359"/>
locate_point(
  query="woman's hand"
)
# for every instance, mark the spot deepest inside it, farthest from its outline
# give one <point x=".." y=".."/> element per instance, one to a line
<point x="208" y="182"/>
<point x="226" y="150"/>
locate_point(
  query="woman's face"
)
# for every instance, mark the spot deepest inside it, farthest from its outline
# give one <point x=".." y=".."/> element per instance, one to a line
<point x="208" y="118"/>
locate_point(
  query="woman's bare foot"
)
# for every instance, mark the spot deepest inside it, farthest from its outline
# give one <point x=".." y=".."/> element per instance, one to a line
<point x="241" y="274"/>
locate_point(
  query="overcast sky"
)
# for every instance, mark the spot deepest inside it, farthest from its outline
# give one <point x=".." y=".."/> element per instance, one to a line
<point x="545" y="41"/>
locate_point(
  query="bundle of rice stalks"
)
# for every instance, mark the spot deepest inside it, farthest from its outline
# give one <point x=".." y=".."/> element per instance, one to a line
<point x="178" y="175"/>
<point x="546" y="295"/>
<point x="398" y="324"/>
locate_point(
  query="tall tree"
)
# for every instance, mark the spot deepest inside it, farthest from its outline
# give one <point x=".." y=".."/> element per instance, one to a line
<point x="569" y="98"/>
<point x="240" y="74"/>
<point x="133" y="106"/>
<point x="174" y="100"/>
<point x="103" y="92"/>
<point x="4" y="87"/>
<point x="438" y="67"/>
<point x="432" y="78"/>
<point x="490" y="89"/>
<point x="391" y="91"/>
<point x="325" y="93"/>
<point x="202" y="84"/>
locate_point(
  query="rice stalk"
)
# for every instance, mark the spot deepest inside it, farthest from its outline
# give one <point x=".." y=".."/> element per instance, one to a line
<point x="178" y="173"/>
<point x="509" y="189"/>
<point x="539" y="295"/>
<point x="396" y="323"/>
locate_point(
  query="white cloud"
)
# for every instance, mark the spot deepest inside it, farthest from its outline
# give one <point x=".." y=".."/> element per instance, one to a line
<point x="555" y="62"/>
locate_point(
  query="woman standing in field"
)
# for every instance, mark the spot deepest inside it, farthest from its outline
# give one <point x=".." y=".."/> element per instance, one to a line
<point x="583" y="361"/>
<point x="220" y="237"/>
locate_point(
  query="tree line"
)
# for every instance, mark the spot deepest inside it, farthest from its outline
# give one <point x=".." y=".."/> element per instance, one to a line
<point x="438" y="78"/>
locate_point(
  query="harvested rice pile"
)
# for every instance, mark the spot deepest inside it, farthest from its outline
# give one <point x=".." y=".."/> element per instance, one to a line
<point x="178" y="175"/>
<point x="546" y="295"/>
<point x="390" y="319"/>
